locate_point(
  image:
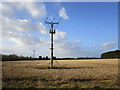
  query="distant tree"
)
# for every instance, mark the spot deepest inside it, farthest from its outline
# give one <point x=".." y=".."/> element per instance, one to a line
<point x="54" y="58"/>
<point x="40" y="57"/>
<point x="30" y="57"/>
<point x="111" y="54"/>
<point x="46" y="57"/>
<point x="14" y="57"/>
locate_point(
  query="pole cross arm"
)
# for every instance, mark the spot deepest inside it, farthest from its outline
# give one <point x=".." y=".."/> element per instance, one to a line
<point x="47" y="22"/>
<point x="56" y="23"/>
<point x="51" y="22"/>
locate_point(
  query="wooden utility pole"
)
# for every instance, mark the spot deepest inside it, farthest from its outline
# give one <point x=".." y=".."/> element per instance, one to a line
<point x="52" y="31"/>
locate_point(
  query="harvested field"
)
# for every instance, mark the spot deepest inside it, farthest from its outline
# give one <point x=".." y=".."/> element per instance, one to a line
<point x="96" y="73"/>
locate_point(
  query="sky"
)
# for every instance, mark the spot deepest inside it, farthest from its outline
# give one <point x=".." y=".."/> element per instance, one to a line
<point x="86" y="29"/>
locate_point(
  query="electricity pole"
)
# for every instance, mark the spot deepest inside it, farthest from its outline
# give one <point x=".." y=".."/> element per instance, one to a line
<point x="51" y="47"/>
<point x="34" y="54"/>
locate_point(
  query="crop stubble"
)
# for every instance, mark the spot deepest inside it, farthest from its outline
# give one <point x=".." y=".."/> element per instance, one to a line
<point x="96" y="73"/>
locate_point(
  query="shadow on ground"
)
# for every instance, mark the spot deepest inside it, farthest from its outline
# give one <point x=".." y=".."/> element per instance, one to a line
<point x="61" y="67"/>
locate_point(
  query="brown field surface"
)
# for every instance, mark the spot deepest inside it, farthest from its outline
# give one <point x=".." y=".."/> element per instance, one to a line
<point x="96" y="73"/>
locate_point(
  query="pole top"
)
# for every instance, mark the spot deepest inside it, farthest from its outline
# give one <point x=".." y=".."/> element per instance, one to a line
<point x="52" y="20"/>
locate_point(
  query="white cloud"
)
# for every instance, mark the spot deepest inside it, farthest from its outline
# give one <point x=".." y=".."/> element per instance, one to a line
<point x="70" y="49"/>
<point x="22" y="25"/>
<point x="23" y="43"/>
<point x="23" y="20"/>
<point x="36" y="10"/>
<point x="16" y="31"/>
<point x="22" y="39"/>
<point x="7" y="10"/>
<point x="67" y="49"/>
<point x="26" y="42"/>
<point x="108" y="45"/>
<point x="59" y="35"/>
<point x="10" y="21"/>
<point x="42" y="28"/>
<point x="63" y="14"/>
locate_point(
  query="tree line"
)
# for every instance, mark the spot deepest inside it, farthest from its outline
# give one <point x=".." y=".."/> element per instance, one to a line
<point x="111" y="54"/>
<point x="14" y="57"/>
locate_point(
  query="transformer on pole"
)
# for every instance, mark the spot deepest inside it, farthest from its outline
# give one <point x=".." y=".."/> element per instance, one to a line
<point x="52" y="31"/>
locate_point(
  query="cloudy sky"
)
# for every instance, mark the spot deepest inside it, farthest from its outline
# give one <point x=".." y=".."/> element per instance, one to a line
<point x="85" y="29"/>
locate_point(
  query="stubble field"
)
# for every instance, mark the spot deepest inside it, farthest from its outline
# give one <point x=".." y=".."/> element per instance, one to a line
<point x="96" y="73"/>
